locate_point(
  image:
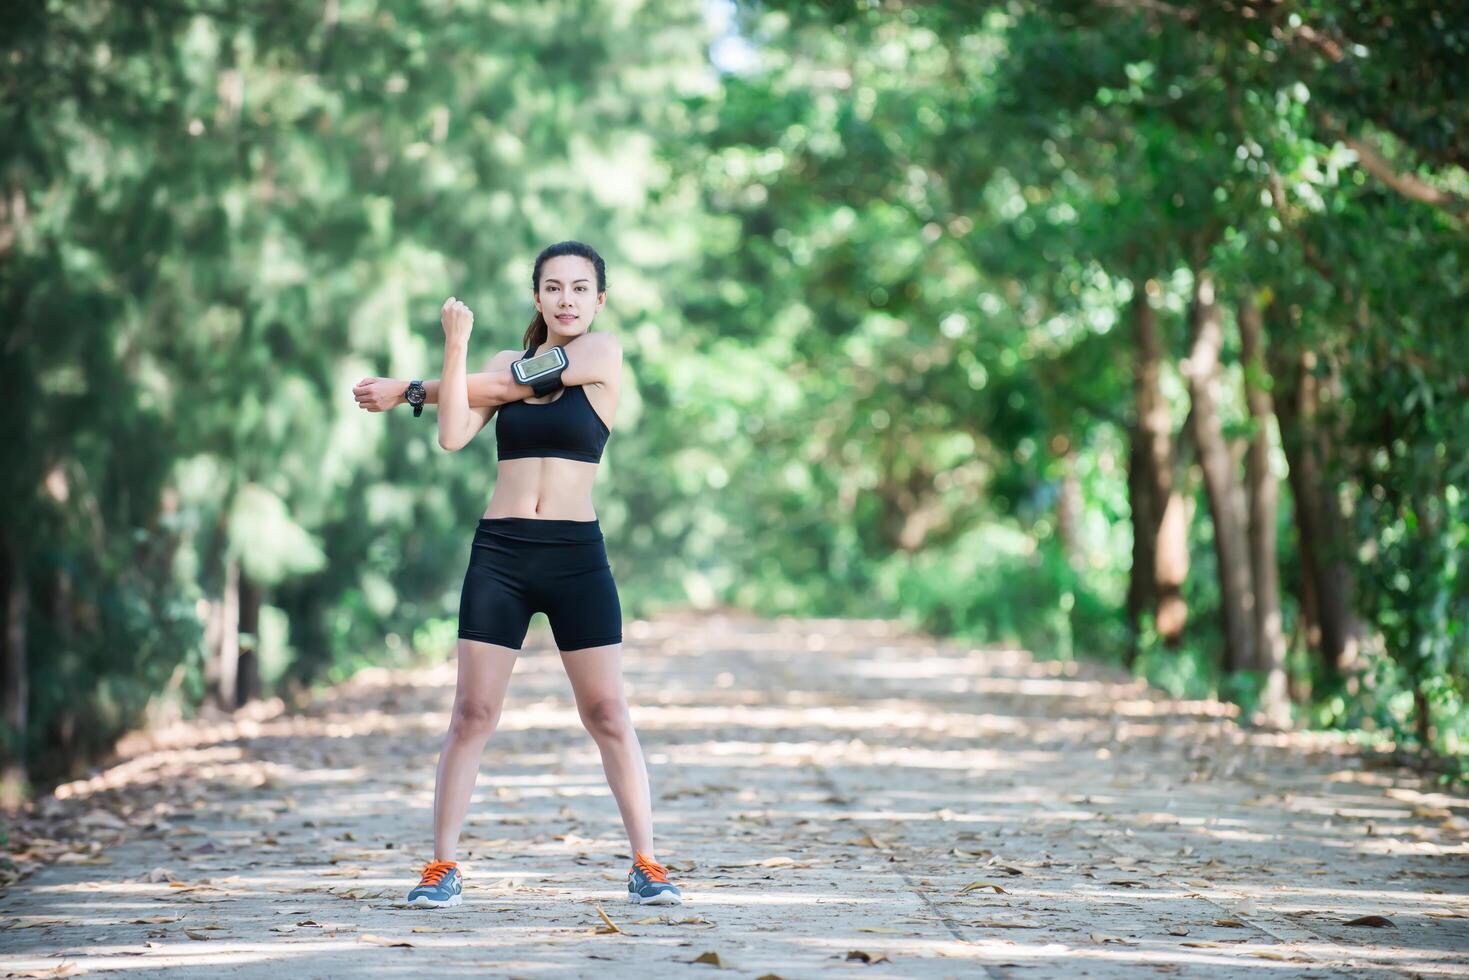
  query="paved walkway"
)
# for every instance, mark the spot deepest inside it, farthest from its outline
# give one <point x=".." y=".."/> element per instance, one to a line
<point x="834" y="797"/>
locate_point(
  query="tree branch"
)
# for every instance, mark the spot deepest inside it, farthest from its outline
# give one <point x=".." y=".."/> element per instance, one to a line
<point x="1407" y="184"/>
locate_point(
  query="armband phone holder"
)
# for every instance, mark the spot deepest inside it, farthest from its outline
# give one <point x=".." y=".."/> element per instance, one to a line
<point x="542" y="372"/>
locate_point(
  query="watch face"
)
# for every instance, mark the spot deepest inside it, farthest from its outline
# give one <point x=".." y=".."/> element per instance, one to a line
<point x="415" y="394"/>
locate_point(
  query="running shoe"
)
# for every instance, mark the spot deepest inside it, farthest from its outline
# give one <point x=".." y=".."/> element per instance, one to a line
<point x="648" y="884"/>
<point x="439" y="887"/>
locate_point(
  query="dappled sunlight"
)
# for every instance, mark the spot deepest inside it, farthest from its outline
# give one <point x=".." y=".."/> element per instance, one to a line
<point x="822" y="803"/>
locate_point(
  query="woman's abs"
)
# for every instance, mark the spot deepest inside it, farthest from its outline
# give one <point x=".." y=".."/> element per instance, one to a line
<point x="547" y="487"/>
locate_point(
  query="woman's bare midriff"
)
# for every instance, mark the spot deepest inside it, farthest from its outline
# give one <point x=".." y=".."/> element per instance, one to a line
<point x="548" y="488"/>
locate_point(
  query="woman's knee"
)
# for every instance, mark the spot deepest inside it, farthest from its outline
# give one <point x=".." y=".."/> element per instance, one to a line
<point x="473" y="718"/>
<point x="607" y="718"/>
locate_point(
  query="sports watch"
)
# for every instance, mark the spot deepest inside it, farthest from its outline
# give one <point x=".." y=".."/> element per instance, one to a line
<point x="415" y="395"/>
<point x="542" y="372"/>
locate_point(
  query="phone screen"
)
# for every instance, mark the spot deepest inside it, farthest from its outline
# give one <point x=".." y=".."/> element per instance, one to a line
<point x="533" y="366"/>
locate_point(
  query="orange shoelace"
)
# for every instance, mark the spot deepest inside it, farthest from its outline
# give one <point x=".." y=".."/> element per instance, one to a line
<point x="651" y="868"/>
<point x="434" y="872"/>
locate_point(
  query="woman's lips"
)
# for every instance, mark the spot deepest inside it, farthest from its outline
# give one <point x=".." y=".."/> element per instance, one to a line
<point x="566" y="317"/>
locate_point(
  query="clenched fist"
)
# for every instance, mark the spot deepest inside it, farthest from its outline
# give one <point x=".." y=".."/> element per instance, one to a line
<point x="457" y="319"/>
<point x="379" y="394"/>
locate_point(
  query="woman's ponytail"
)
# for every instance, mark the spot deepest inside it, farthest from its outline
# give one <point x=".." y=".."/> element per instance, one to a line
<point x="536" y="333"/>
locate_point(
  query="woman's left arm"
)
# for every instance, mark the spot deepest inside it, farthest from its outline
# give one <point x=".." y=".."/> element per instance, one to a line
<point x="489" y="388"/>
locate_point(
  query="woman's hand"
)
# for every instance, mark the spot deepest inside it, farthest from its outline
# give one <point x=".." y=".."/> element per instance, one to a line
<point x="379" y="394"/>
<point x="457" y="320"/>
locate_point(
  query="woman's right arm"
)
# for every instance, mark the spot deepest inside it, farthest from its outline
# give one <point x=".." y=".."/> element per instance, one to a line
<point x="458" y="422"/>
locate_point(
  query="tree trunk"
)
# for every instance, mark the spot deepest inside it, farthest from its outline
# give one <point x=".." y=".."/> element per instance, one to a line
<point x="1159" y="522"/>
<point x="227" y="649"/>
<point x="1263" y="505"/>
<point x="1202" y="369"/>
<point x="1068" y="510"/>
<point x="14" y="778"/>
<point x="1422" y="718"/>
<point x="1326" y="595"/>
<point x="251" y="597"/>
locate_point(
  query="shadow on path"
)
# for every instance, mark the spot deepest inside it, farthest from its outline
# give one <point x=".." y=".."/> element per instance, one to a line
<point x="831" y="796"/>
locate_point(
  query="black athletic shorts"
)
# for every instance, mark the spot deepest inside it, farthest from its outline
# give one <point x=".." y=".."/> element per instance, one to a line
<point x="524" y="565"/>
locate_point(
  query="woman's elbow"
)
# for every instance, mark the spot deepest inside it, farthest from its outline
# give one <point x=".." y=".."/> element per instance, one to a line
<point x="450" y="444"/>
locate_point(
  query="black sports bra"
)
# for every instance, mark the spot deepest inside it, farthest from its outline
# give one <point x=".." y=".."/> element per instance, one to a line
<point x="568" y="427"/>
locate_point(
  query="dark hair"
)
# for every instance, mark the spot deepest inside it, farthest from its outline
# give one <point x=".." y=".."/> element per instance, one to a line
<point x="537" y="332"/>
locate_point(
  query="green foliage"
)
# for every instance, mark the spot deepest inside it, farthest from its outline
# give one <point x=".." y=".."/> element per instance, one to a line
<point x="215" y="223"/>
<point x="873" y="297"/>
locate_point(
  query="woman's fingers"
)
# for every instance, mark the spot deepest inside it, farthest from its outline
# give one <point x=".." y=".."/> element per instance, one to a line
<point x="366" y="395"/>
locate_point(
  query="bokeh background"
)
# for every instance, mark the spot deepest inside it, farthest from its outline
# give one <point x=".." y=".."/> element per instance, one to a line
<point x="1119" y="329"/>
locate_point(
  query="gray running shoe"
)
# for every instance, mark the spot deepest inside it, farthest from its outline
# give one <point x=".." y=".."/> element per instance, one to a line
<point x="439" y="888"/>
<point x="648" y="884"/>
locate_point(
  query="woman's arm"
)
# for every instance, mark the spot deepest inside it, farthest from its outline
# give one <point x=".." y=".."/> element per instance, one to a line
<point x="486" y="390"/>
<point x="489" y="388"/>
<point x="458" y="422"/>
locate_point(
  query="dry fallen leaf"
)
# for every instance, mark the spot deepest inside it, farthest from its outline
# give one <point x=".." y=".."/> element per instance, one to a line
<point x="368" y="937"/>
<point x="610" y="927"/>
<point x="63" y="969"/>
<point x="1375" y="921"/>
<point x="101" y="818"/>
<point x="981" y="884"/>
<point x="77" y="857"/>
<point x="1424" y="812"/>
<point x="695" y="920"/>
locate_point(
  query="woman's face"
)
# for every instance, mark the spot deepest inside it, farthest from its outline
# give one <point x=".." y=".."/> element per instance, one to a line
<point x="568" y="298"/>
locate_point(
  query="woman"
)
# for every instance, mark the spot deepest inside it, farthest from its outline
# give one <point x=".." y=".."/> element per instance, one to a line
<point x="538" y="547"/>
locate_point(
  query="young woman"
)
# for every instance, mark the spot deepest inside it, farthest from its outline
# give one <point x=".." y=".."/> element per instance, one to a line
<point x="538" y="547"/>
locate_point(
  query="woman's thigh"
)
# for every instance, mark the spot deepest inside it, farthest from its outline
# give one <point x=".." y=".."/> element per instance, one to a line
<point x="484" y="677"/>
<point x="596" y="680"/>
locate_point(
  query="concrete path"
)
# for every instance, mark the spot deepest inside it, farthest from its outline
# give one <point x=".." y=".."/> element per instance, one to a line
<point x="834" y="797"/>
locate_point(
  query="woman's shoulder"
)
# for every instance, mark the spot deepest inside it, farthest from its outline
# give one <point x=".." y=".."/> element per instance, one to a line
<point x="503" y="359"/>
<point x="600" y="341"/>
